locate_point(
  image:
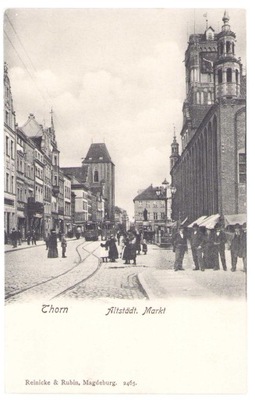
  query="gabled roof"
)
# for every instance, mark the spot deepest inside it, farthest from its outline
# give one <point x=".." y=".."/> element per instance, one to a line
<point x="149" y="194"/>
<point x="31" y="128"/>
<point x="97" y="153"/>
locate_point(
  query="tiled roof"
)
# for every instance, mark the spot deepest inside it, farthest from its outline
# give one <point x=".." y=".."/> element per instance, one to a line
<point x="97" y="153"/>
<point x="31" y="128"/>
<point x="80" y="173"/>
<point x="149" y="194"/>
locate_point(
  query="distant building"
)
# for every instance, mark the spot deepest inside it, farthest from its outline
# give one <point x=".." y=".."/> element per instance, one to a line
<point x="150" y="208"/>
<point x="101" y="175"/>
<point x="210" y="174"/>
<point x="68" y="224"/>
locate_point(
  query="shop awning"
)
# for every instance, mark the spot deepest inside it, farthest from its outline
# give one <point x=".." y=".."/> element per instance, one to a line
<point x="198" y="221"/>
<point x="235" y="219"/>
<point x="211" y="221"/>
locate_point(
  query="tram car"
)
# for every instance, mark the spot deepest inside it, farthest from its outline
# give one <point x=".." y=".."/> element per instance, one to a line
<point x="91" y="231"/>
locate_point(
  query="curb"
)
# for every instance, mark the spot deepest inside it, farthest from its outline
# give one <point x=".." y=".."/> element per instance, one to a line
<point x="149" y="293"/>
<point x="31" y="246"/>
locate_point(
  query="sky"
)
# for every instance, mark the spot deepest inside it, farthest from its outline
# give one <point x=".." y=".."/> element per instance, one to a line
<point x="111" y="75"/>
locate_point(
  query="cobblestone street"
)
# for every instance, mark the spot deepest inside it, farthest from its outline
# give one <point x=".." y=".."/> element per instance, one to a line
<point x="30" y="275"/>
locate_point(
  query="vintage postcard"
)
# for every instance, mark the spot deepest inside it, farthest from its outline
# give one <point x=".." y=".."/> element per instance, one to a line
<point x="125" y="200"/>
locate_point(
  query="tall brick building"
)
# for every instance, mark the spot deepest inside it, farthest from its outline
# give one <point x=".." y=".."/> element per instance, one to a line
<point x="210" y="173"/>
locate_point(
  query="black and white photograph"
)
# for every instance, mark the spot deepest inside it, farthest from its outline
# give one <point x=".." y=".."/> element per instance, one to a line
<point x="125" y="200"/>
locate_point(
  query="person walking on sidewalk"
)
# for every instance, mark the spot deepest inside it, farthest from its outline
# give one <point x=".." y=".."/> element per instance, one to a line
<point x="33" y="236"/>
<point x="196" y="242"/>
<point x="219" y="241"/>
<point x="63" y="245"/>
<point x="180" y="247"/>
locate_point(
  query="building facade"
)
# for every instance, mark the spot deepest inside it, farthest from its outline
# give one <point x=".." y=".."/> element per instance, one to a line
<point x="150" y="208"/>
<point x="10" y="140"/>
<point x="210" y="174"/>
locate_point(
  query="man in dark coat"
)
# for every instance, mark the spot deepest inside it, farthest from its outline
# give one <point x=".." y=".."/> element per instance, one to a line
<point x="238" y="244"/>
<point x="211" y="258"/>
<point x="196" y="242"/>
<point x="14" y="237"/>
<point x="180" y="247"/>
<point x="219" y="241"/>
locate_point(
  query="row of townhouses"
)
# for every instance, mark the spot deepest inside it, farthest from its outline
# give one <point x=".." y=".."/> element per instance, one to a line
<point x="38" y="194"/>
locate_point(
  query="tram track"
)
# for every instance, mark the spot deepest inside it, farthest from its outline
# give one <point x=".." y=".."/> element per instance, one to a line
<point x="81" y="246"/>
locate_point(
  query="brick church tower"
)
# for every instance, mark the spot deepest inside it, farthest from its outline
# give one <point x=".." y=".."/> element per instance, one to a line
<point x="101" y="175"/>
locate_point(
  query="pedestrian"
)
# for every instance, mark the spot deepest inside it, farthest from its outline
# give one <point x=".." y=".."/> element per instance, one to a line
<point x="196" y="243"/>
<point x="113" y="252"/>
<point x="78" y="232"/>
<point x="33" y="237"/>
<point x="126" y="251"/>
<point x="133" y="249"/>
<point x="28" y="237"/>
<point x="63" y="245"/>
<point x="220" y="241"/>
<point x="104" y="252"/>
<point x="47" y="241"/>
<point x="53" y="245"/>
<point x="144" y="246"/>
<point x="118" y="237"/>
<point x="19" y="236"/>
<point x="180" y="247"/>
<point x="211" y="259"/>
<point x="122" y="245"/>
<point x="244" y="247"/>
<point x="14" y="237"/>
<point x="138" y="242"/>
<point x="237" y="246"/>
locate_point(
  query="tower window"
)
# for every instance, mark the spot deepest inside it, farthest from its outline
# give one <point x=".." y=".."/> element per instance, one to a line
<point x="233" y="48"/>
<point x="221" y="48"/>
<point x="242" y="168"/>
<point x="228" y="47"/>
<point x="229" y="75"/>
<point x="237" y="76"/>
<point x="96" y="179"/>
<point x="220" y="76"/>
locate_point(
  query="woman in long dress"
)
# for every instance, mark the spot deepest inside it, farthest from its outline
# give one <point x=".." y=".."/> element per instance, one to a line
<point x="53" y="245"/>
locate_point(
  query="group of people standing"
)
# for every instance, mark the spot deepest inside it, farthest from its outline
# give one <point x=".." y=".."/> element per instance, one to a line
<point x="130" y="245"/>
<point x="208" y="247"/>
<point x="52" y="244"/>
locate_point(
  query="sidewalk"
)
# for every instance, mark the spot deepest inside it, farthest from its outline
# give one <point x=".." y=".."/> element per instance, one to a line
<point x="163" y="282"/>
<point x="24" y="245"/>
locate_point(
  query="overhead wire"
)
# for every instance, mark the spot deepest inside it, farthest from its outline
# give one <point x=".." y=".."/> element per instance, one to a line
<point x="33" y="67"/>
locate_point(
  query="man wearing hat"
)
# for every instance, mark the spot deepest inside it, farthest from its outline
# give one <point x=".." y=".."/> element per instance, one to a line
<point x="219" y="241"/>
<point x="180" y="246"/>
<point x="236" y="247"/>
<point x="196" y="242"/>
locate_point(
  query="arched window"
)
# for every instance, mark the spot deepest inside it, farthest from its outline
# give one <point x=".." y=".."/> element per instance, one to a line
<point x="228" y="47"/>
<point x="202" y="97"/>
<point x="229" y="75"/>
<point x="233" y="48"/>
<point x="209" y="100"/>
<point x="96" y="176"/>
<point x="198" y="98"/>
<point x="220" y="76"/>
<point x="237" y="76"/>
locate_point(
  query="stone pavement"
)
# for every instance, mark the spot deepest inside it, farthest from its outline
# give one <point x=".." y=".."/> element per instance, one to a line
<point x="163" y="282"/>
